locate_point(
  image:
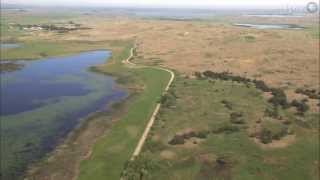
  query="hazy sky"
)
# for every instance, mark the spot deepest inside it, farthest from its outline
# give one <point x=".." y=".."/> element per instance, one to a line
<point x="169" y="3"/>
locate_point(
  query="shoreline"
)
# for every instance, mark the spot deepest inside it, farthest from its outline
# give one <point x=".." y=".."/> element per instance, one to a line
<point x="111" y="111"/>
<point x="64" y="161"/>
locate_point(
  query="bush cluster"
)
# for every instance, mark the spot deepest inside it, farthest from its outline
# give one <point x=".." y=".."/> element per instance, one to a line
<point x="140" y="168"/>
<point x="225" y="76"/>
<point x="266" y="135"/>
<point x="227" y="104"/>
<point x="180" y="139"/>
<point x="168" y="99"/>
<point x="226" y="128"/>
<point x="301" y="106"/>
<point x="279" y="97"/>
<point x="311" y="93"/>
<point x="237" y="118"/>
<point x="272" y="112"/>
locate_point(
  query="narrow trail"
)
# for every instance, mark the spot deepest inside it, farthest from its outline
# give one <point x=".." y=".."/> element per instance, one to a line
<point x="156" y="110"/>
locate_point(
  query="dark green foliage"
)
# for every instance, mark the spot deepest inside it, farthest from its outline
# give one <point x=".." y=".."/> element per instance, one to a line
<point x="43" y="54"/>
<point x="279" y="98"/>
<point x="202" y="134"/>
<point x="237" y="118"/>
<point x="261" y="85"/>
<point x="153" y="146"/>
<point x="265" y="136"/>
<point x="272" y="112"/>
<point x="227" y="104"/>
<point x="168" y="99"/>
<point x="301" y="106"/>
<point x="283" y="132"/>
<point x="198" y="75"/>
<point x="180" y="139"/>
<point x="311" y="93"/>
<point x="225" y="76"/>
<point x="176" y="140"/>
<point x="139" y="168"/>
<point x="226" y="128"/>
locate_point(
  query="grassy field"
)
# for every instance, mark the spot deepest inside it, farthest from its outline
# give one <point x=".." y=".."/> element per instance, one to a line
<point x="227" y="150"/>
<point x="111" y="152"/>
<point x="220" y="118"/>
<point x="42" y="49"/>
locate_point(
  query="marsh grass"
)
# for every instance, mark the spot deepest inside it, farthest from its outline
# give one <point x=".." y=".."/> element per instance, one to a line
<point x="199" y="107"/>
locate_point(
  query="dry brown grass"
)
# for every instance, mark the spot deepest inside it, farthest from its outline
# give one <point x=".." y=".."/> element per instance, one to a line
<point x="287" y="58"/>
<point x="282" y="58"/>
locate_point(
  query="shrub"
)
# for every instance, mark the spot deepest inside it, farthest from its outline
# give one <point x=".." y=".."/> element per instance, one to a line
<point x="226" y="128"/>
<point x="301" y="106"/>
<point x="168" y="100"/>
<point x="261" y="85"/>
<point x="272" y="112"/>
<point x="227" y="104"/>
<point x="279" y="98"/>
<point x="198" y="75"/>
<point x="139" y="168"/>
<point x="177" y="139"/>
<point x="238" y="121"/>
<point x="189" y="135"/>
<point x="250" y="38"/>
<point x="311" y="93"/>
<point x="43" y="54"/>
<point x="236" y="118"/>
<point x="265" y="136"/>
<point x="202" y="134"/>
<point x="278" y="135"/>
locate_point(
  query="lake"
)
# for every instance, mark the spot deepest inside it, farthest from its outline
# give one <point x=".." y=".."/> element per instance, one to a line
<point x="42" y="102"/>
<point x="8" y="45"/>
<point x="270" y="26"/>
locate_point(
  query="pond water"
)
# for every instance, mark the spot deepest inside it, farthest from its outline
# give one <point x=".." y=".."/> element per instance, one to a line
<point x="270" y="26"/>
<point x="9" y="45"/>
<point x="275" y="15"/>
<point x="44" y="101"/>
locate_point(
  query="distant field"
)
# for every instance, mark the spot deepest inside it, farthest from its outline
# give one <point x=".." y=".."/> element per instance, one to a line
<point x="38" y="49"/>
<point x="226" y="150"/>
<point x="206" y="129"/>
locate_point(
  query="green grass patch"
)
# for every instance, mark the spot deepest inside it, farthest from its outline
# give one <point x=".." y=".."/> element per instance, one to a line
<point x="228" y="151"/>
<point x="30" y="50"/>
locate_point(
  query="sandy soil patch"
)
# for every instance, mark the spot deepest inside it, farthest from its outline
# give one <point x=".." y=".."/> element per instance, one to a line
<point x="282" y="143"/>
<point x="168" y="155"/>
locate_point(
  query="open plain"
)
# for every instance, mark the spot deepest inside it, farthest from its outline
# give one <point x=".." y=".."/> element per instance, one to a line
<point x="216" y="121"/>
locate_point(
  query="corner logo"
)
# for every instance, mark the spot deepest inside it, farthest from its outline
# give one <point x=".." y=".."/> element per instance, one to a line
<point x="312" y="7"/>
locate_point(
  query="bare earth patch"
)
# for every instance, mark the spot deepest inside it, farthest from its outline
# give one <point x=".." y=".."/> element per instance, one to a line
<point x="168" y="155"/>
<point x="282" y="143"/>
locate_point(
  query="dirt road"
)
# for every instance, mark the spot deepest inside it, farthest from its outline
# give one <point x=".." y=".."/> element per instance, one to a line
<point x="156" y="110"/>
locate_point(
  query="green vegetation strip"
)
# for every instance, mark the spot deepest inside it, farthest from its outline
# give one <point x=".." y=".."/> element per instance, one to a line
<point x="113" y="150"/>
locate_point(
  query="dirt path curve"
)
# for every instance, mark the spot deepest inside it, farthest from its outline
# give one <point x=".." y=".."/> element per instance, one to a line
<point x="156" y="110"/>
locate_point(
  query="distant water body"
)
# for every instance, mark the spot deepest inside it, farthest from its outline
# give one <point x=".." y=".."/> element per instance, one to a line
<point x="274" y="15"/>
<point x="44" y="101"/>
<point x="9" y="45"/>
<point x="270" y="26"/>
